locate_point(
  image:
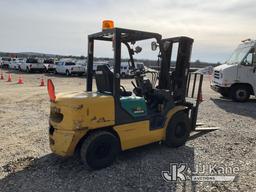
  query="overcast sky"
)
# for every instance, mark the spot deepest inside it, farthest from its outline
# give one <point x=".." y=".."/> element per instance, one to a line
<point x="62" y="26"/>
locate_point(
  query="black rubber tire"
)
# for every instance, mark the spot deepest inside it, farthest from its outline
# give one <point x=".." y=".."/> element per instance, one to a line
<point x="67" y="73"/>
<point x="178" y="130"/>
<point x="99" y="150"/>
<point x="240" y="93"/>
<point x="225" y="94"/>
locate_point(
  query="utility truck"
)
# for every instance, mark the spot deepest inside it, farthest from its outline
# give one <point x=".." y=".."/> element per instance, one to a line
<point x="98" y="124"/>
<point x="236" y="78"/>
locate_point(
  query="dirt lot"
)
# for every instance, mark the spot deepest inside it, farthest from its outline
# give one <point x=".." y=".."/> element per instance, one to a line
<point x="27" y="164"/>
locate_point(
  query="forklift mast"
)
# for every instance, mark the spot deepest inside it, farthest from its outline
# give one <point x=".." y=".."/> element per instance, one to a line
<point x="176" y="82"/>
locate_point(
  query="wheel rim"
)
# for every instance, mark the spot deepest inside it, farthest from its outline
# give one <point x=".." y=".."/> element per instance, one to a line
<point x="180" y="130"/>
<point x="241" y="94"/>
<point x="102" y="150"/>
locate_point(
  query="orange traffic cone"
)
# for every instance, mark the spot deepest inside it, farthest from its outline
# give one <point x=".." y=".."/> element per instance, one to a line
<point x="2" y="76"/>
<point x="200" y="97"/>
<point x="42" y="83"/>
<point x="20" y="81"/>
<point x="9" y="78"/>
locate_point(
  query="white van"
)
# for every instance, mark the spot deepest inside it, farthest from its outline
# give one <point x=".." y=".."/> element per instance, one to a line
<point x="126" y="69"/>
<point x="236" y="78"/>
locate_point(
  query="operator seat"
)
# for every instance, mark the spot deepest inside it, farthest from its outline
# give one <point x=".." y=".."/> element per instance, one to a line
<point x="104" y="81"/>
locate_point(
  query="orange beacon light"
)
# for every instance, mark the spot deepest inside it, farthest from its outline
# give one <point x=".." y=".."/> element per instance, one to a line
<point x="107" y="24"/>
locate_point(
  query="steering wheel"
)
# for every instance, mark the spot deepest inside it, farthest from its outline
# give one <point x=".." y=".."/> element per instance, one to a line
<point x="124" y="92"/>
<point x="123" y="89"/>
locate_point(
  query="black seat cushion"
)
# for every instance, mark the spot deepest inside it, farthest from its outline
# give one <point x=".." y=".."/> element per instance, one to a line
<point x="104" y="79"/>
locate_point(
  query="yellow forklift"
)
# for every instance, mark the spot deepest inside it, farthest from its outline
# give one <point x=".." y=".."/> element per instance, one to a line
<point x="100" y="124"/>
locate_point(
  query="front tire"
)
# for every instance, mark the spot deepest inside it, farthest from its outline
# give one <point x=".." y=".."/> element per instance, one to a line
<point x="178" y="130"/>
<point x="67" y="73"/>
<point x="99" y="150"/>
<point x="240" y="93"/>
<point x="225" y="93"/>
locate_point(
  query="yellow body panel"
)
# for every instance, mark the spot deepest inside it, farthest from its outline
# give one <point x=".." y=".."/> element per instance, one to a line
<point x="82" y="111"/>
<point x="85" y="111"/>
<point x="64" y="142"/>
<point x="138" y="134"/>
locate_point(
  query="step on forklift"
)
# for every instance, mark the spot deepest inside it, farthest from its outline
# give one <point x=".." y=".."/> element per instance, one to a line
<point x="99" y="124"/>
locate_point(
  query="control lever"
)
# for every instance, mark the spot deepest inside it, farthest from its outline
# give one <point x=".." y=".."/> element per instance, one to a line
<point x="133" y="84"/>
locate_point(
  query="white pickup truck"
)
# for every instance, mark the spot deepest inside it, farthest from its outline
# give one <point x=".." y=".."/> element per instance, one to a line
<point x="5" y="62"/>
<point x="236" y="78"/>
<point x="32" y="64"/>
<point x="15" y="63"/>
<point x="49" y="65"/>
<point x="69" y="68"/>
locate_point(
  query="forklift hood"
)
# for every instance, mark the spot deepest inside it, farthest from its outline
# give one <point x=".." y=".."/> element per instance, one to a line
<point x="78" y="96"/>
<point x="82" y="110"/>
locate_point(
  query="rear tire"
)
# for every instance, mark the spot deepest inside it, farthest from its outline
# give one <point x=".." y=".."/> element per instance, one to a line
<point x="240" y="93"/>
<point x="99" y="150"/>
<point x="178" y="130"/>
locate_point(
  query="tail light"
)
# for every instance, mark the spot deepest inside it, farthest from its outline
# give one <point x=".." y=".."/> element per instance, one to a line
<point x="51" y="90"/>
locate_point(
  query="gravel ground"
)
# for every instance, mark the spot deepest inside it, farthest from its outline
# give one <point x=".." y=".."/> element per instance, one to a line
<point x="27" y="164"/>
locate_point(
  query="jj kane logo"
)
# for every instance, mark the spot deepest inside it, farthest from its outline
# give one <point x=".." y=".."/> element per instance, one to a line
<point x="200" y="172"/>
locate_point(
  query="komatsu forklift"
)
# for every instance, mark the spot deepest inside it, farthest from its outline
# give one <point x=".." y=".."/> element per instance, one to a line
<point x="99" y="124"/>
